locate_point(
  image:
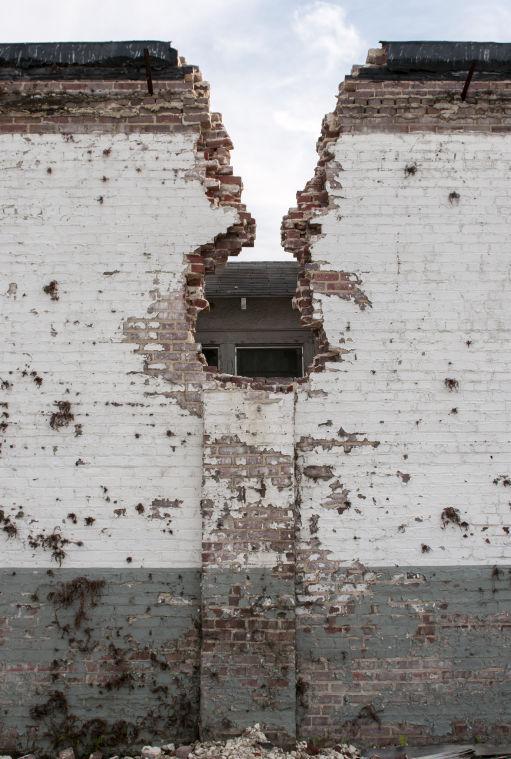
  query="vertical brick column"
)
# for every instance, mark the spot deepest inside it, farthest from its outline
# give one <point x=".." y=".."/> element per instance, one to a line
<point x="248" y="652"/>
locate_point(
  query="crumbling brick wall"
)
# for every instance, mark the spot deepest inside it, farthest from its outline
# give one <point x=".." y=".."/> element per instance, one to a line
<point x="402" y="442"/>
<point x="328" y="557"/>
<point x="114" y="204"/>
<point x="248" y="570"/>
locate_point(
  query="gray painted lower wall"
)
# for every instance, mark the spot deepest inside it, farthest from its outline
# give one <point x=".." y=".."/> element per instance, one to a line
<point x="411" y="653"/>
<point x="419" y="652"/>
<point x="88" y="664"/>
<point x="248" y="655"/>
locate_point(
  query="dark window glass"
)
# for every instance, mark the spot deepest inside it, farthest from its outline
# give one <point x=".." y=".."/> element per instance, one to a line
<point x="269" y="362"/>
<point x="211" y="355"/>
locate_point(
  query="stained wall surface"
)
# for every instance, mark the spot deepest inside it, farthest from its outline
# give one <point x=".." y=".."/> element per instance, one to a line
<point x="113" y="251"/>
<point x="112" y="207"/>
<point x="406" y="472"/>
<point x="248" y="576"/>
<point x="184" y="554"/>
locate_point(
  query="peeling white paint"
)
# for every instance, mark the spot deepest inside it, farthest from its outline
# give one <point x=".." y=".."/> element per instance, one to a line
<point x="438" y="276"/>
<point x="54" y="228"/>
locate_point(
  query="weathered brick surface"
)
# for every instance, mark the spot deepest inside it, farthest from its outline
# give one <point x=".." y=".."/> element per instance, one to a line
<point x="108" y="659"/>
<point x="115" y="204"/>
<point x="248" y="563"/>
<point x="418" y="653"/>
<point x="363" y="106"/>
<point x="422" y="106"/>
<point x="424" y="376"/>
<point x="124" y="107"/>
<point x="124" y="443"/>
<point x="351" y="529"/>
<point x="403" y="242"/>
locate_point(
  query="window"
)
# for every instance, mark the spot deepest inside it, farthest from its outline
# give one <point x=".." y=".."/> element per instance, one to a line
<point x="210" y="353"/>
<point x="269" y="361"/>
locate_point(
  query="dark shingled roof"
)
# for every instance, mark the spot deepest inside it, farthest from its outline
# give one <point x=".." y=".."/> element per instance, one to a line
<point x="441" y="60"/>
<point x="89" y="60"/>
<point x="253" y="279"/>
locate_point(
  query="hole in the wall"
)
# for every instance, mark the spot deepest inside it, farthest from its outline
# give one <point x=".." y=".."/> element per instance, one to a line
<point x="272" y="362"/>
<point x="251" y="328"/>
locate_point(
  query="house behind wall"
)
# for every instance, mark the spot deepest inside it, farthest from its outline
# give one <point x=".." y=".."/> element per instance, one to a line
<point x="250" y="325"/>
<point x="328" y="557"/>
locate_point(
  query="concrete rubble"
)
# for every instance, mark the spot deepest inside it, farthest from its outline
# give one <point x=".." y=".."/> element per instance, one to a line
<point x="252" y="744"/>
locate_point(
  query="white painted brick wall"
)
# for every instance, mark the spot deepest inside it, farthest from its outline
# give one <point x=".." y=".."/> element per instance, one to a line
<point x="53" y="227"/>
<point x="438" y="274"/>
<point x="261" y="421"/>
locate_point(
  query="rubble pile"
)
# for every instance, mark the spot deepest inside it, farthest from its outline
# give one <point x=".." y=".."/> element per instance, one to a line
<point x="253" y="744"/>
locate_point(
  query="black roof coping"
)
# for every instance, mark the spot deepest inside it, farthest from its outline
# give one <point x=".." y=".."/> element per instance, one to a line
<point x="448" y="56"/>
<point x="441" y="60"/>
<point x="255" y="279"/>
<point x="89" y="60"/>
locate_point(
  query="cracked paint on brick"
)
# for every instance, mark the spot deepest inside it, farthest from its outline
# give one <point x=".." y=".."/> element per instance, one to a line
<point x="248" y="662"/>
<point x="336" y="596"/>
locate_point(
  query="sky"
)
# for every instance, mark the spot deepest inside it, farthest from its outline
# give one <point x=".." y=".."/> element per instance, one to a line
<point x="274" y="66"/>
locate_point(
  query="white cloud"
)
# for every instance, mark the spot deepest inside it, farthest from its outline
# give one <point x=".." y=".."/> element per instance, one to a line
<point x="116" y="19"/>
<point x="490" y="22"/>
<point x="293" y="122"/>
<point x="325" y="31"/>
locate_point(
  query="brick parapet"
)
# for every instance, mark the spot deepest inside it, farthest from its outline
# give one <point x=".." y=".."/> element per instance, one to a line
<point x="366" y="105"/>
